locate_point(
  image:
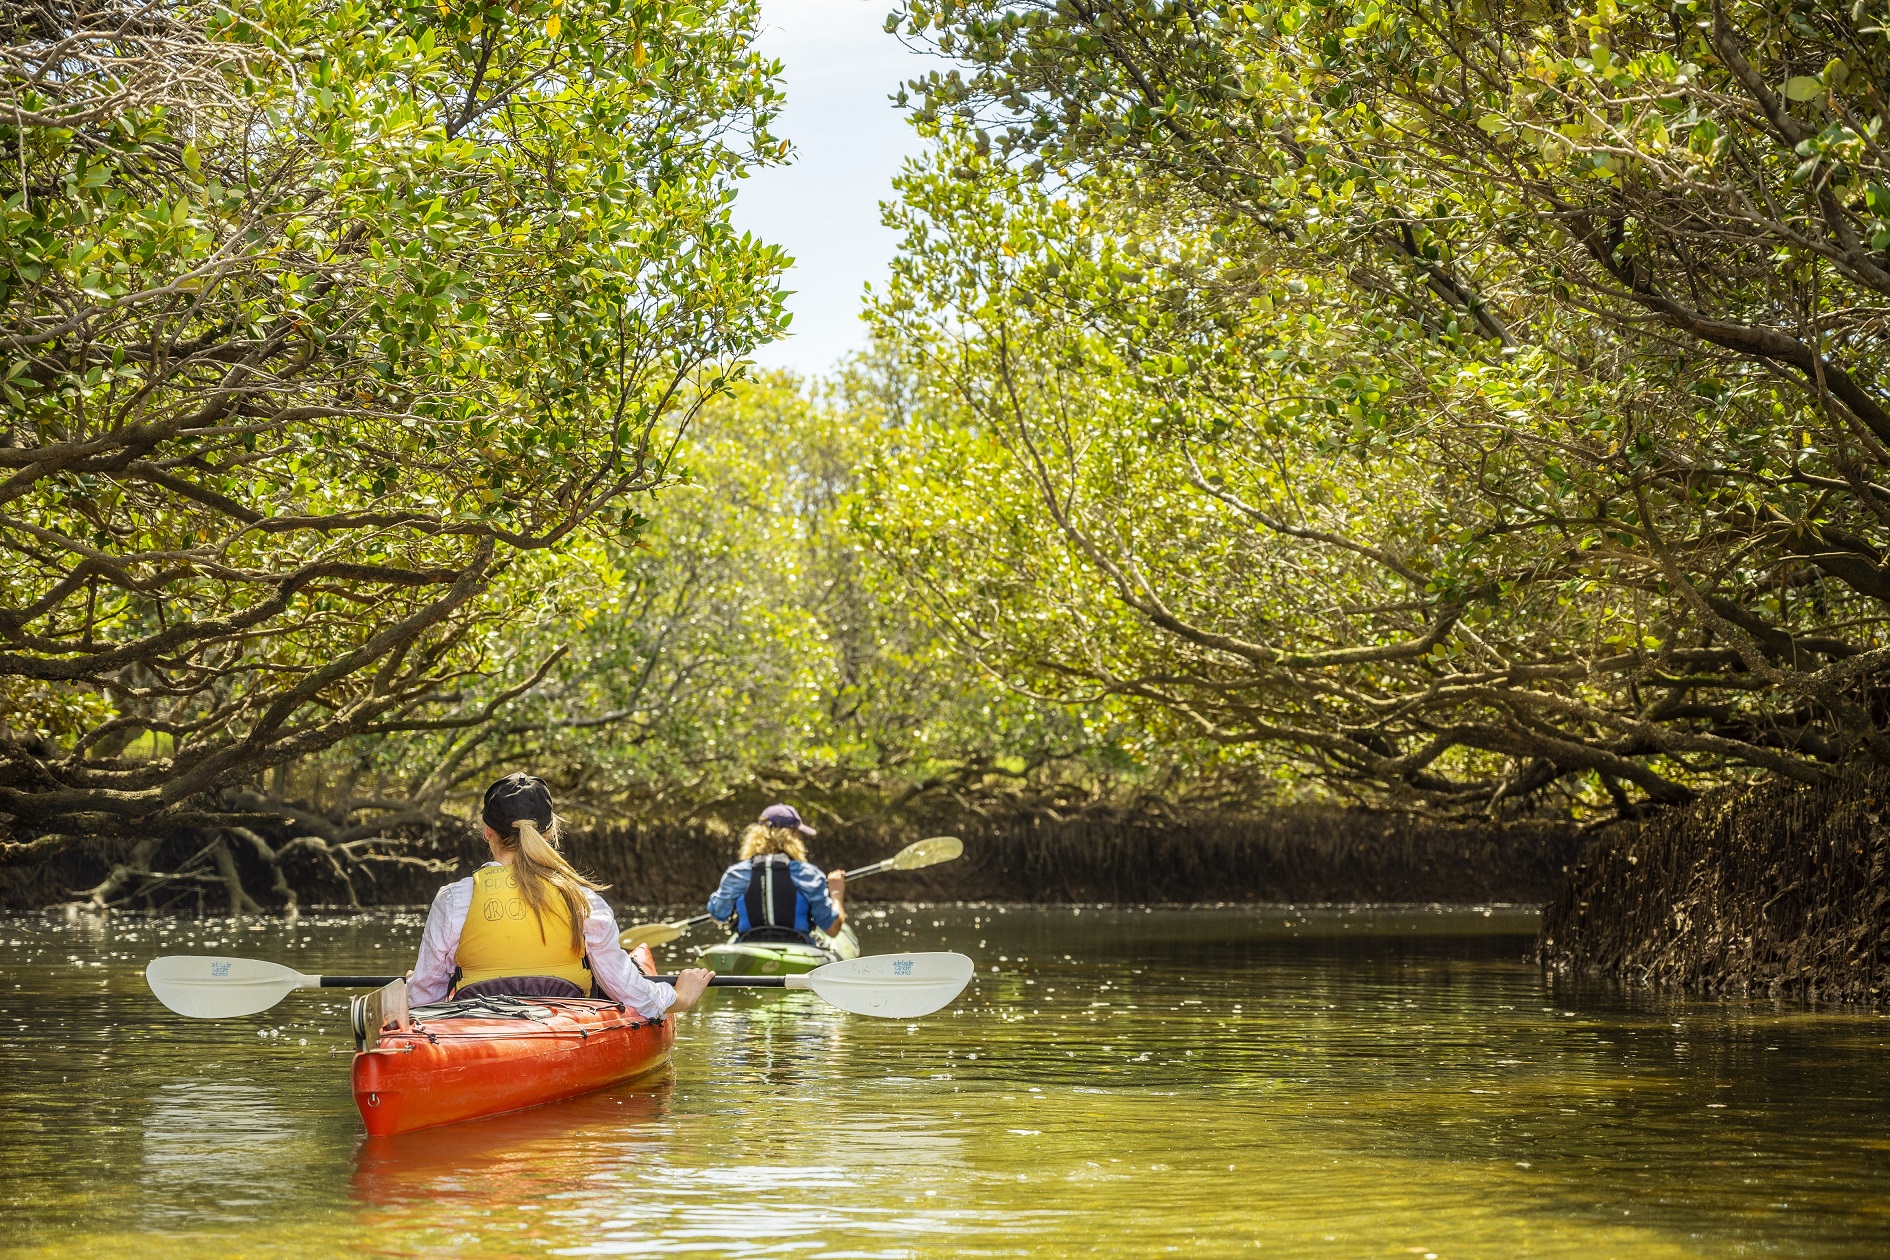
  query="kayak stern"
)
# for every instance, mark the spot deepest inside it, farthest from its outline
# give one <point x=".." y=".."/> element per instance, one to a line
<point x="777" y="958"/>
<point x="450" y="1070"/>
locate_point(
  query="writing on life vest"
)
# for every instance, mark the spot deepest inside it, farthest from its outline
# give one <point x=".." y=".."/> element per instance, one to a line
<point x="503" y="938"/>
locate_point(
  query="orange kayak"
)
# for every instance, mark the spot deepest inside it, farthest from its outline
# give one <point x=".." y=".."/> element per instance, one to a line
<point x="444" y="1070"/>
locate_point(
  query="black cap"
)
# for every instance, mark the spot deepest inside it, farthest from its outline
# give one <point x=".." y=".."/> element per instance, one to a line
<point x="514" y="798"/>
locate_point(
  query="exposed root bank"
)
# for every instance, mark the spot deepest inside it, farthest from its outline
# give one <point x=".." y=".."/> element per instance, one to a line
<point x="1777" y="889"/>
<point x="1288" y="855"/>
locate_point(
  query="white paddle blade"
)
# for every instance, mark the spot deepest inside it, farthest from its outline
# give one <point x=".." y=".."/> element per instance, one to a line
<point x="927" y="853"/>
<point x="204" y="987"/>
<point x="651" y="934"/>
<point x="891" y="986"/>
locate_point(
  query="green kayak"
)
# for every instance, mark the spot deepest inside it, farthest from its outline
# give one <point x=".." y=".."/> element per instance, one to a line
<point x="736" y="957"/>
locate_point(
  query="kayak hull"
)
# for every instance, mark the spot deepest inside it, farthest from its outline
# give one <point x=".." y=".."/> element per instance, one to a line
<point x="776" y="958"/>
<point x="449" y="1070"/>
<point x="444" y="1070"/>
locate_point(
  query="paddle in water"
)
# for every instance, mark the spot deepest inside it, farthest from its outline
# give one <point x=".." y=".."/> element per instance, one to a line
<point x="918" y="854"/>
<point x="889" y="986"/>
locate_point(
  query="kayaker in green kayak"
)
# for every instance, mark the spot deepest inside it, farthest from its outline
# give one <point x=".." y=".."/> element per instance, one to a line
<point x="526" y="924"/>
<point x="773" y="893"/>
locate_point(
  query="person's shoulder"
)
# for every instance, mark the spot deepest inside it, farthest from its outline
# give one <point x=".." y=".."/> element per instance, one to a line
<point x="457" y="886"/>
<point x="452" y="894"/>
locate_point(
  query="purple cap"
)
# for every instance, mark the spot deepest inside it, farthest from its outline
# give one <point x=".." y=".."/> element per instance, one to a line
<point x="786" y="816"/>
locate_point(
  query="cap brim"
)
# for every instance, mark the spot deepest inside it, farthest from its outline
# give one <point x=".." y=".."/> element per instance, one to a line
<point x="808" y="831"/>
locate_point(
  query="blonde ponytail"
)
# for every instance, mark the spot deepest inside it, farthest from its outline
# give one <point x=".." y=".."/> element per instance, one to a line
<point x="760" y="838"/>
<point x="543" y="873"/>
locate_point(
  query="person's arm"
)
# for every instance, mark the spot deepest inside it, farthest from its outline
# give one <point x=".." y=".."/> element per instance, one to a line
<point x="617" y="975"/>
<point x="723" y="900"/>
<point x="824" y="909"/>
<point x="432" y="974"/>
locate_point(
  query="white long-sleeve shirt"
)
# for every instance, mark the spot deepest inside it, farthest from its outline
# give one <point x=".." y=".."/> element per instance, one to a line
<point x="615" y="974"/>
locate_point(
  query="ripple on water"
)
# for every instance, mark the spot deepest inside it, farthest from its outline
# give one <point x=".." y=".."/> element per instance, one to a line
<point x="1291" y="1082"/>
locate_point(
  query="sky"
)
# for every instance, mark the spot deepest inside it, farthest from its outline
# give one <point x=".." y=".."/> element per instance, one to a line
<point x="839" y="68"/>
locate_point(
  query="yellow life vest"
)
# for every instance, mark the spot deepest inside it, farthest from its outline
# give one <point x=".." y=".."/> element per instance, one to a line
<point x="502" y="937"/>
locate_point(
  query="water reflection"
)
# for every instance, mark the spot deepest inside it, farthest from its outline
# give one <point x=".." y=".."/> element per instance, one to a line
<point x="528" y="1155"/>
<point x="1302" y="1083"/>
<point x="217" y="1150"/>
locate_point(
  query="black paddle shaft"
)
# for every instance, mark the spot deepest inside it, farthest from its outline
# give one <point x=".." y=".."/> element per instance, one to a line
<point x="357" y="982"/>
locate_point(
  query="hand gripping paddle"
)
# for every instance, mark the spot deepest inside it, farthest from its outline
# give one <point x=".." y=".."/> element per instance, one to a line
<point x="918" y="854"/>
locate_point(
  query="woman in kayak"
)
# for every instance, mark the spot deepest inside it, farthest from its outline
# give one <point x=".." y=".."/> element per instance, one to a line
<point x="774" y="892"/>
<point x="526" y="924"/>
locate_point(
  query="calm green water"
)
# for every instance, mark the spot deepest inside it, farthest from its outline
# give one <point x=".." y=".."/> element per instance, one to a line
<point x="1329" y="1084"/>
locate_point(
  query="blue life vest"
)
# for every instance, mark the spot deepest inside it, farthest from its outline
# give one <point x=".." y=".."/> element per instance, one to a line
<point x="772" y="906"/>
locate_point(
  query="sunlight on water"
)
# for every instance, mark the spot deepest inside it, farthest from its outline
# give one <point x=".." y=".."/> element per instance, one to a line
<point x="1333" y="1083"/>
